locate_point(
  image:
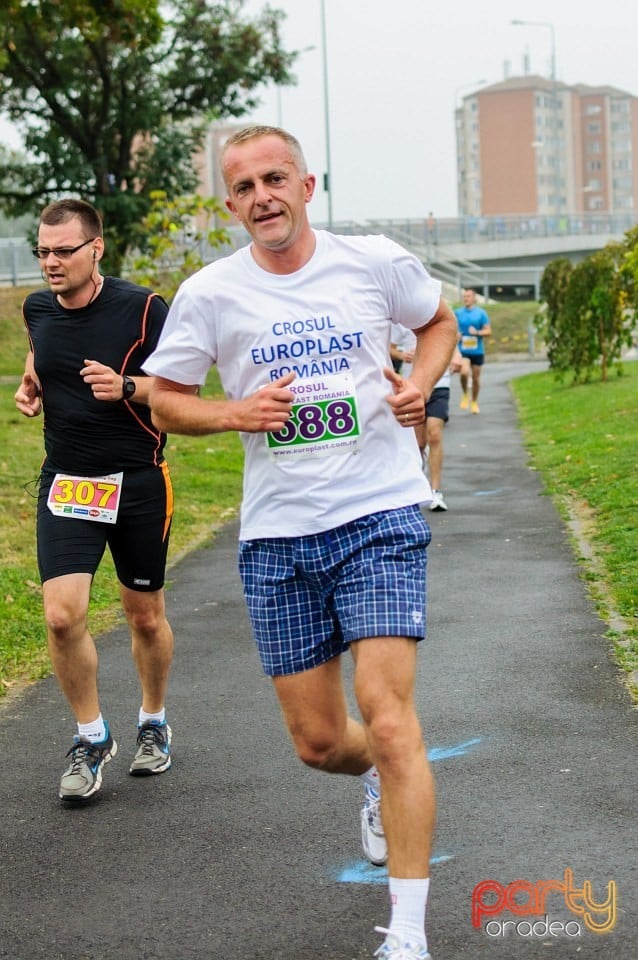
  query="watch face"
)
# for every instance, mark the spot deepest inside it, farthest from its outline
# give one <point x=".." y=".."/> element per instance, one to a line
<point x="129" y="388"/>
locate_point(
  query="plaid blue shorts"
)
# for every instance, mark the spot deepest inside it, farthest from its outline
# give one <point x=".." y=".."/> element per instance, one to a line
<point x="309" y="597"/>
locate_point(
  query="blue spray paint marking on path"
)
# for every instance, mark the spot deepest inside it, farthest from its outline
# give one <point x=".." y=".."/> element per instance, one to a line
<point x="444" y="753"/>
<point x="364" y="872"/>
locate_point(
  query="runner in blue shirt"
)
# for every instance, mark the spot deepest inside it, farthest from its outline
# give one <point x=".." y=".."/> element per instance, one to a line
<point x="474" y="326"/>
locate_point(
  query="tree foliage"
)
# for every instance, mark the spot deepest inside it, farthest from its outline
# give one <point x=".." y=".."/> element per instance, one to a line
<point x="553" y="288"/>
<point x="113" y="97"/>
<point x="178" y="235"/>
<point x="589" y="311"/>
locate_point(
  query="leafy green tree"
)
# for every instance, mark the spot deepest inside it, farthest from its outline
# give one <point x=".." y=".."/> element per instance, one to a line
<point x="629" y="270"/>
<point x="548" y="321"/>
<point x="594" y="313"/>
<point x="586" y="318"/>
<point x="113" y="97"/>
<point x="178" y="234"/>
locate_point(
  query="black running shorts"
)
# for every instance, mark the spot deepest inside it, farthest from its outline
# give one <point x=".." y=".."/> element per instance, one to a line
<point x="138" y="540"/>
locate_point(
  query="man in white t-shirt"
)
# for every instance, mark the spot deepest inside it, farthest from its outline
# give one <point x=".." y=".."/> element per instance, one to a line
<point x="332" y="540"/>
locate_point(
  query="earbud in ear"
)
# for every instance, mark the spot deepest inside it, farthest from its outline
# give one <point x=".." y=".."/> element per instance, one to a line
<point x="94" y="254"/>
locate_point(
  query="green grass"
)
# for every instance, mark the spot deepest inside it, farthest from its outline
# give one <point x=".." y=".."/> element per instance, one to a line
<point x="510" y="323"/>
<point x="13" y="334"/>
<point x="584" y="442"/>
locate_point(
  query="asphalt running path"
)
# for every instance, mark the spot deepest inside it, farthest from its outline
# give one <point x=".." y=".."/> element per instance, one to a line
<point x="240" y="853"/>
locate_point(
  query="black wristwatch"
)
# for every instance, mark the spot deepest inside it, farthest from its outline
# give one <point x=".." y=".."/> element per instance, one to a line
<point x="128" y="388"/>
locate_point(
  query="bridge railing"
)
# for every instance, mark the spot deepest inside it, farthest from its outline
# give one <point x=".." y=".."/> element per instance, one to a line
<point x="453" y="230"/>
<point x="430" y="236"/>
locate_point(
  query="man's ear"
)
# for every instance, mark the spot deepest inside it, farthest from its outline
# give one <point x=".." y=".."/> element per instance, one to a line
<point x="230" y="206"/>
<point x="310" y="182"/>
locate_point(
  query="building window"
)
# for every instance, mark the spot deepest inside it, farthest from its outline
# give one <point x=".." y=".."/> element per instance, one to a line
<point x="594" y="165"/>
<point x="594" y="146"/>
<point x="591" y="109"/>
<point x="593" y="128"/>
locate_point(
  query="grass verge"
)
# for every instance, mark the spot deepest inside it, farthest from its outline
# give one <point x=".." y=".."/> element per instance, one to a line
<point x="583" y="440"/>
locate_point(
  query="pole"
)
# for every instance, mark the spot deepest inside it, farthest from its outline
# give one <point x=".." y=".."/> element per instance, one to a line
<point x="326" y="112"/>
<point x="555" y="111"/>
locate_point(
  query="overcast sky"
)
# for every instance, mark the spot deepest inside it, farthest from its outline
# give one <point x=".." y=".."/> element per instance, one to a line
<point x="395" y="68"/>
<point x="394" y="71"/>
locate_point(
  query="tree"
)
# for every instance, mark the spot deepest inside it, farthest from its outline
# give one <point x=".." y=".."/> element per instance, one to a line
<point x="177" y="233"/>
<point x="553" y="289"/>
<point x="586" y="321"/>
<point x="594" y="311"/>
<point x="113" y="97"/>
<point x="629" y="268"/>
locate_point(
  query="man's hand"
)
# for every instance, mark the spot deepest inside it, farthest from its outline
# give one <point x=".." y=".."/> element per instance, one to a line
<point x="105" y="383"/>
<point x="406" y="400"/>
<point x="456" y="363"/>
<point x="177" y="408"/>
<point x="28" y="396"/>
<point x="268" y="409"/>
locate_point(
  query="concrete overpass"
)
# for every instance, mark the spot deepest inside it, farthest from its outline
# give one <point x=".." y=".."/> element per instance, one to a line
<point x="503" y="257"/>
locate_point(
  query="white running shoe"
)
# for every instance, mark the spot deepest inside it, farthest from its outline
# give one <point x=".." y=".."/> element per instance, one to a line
<point x="393" y="948"/>
<point x="372" y="835"/>
<point x="438" y="503"/>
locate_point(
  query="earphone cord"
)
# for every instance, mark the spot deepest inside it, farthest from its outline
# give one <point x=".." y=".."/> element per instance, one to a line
<point x="96" y="287"/>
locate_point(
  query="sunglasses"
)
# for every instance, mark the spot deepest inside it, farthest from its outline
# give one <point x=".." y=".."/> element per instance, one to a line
<point x="60" y="253"/>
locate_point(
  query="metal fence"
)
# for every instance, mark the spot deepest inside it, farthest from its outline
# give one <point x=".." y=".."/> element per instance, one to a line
<point x="17" y="264"/>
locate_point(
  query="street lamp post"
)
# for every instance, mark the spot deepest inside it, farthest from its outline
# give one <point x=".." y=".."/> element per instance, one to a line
<point x="280" y="117"/>
<point x="327" y="178"/>
<point x="550" y="26"/>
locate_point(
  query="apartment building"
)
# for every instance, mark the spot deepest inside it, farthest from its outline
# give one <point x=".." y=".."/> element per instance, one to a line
<point x="532" y="145"/>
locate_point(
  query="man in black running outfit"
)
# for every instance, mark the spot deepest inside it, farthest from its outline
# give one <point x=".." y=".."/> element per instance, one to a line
<point x="104" y="481"/>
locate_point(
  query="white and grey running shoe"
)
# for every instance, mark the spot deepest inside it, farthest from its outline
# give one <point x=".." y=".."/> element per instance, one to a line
<point x="394" y="948"/>
<point x="153" y="749"/>
<point x="83" y="777"/>
<point x="372" y="834"/>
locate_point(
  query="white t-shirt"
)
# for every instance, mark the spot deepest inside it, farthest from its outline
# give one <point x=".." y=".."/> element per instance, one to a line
<point x="405" y="340"/>
<point x="330" y="323"/>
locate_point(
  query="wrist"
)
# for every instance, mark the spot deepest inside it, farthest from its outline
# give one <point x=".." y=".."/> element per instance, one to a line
<point x="128" y="387"/>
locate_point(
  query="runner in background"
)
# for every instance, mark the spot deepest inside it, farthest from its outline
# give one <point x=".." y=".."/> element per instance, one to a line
<point x="474" y="326"/>
<point x="429" y="435"/>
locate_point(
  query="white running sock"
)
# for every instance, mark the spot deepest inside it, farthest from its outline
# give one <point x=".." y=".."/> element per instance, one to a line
<point x="372" y="780"/>
<point x="409" y="900"/>
<point x="145" y="717"/>
<point x="95" y="731"/>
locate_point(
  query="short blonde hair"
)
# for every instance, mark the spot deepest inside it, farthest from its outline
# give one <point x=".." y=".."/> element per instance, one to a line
<point x="258" y="130"/>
